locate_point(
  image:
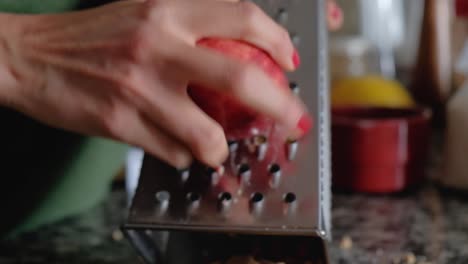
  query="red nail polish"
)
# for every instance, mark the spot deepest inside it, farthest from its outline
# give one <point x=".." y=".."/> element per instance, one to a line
<point x="296" y="59"/>
<point x="304" y="124"/>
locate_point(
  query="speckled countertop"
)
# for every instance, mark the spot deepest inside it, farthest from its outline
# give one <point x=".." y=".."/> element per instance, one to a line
<point x="424" y="226"/>
<point x="428" y="226"/>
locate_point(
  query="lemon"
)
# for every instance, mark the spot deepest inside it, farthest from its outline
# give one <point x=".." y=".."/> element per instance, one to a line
<point x="370" y="91"/>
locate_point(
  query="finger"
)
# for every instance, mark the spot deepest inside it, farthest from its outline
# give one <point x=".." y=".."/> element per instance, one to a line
<point x="180" y="117"/>
<point x="242" y="21"/>
<point x="334" y="15"/>
<point x="246" y="82"/>
<point x="141" y="132"/>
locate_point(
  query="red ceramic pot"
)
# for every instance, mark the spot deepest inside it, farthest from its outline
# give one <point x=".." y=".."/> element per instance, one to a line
<point x="379" y="150"/>
<point x="461" y="8"/>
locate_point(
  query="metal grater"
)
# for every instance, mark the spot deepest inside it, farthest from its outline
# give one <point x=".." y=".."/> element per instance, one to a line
<point x="182" y="217"/>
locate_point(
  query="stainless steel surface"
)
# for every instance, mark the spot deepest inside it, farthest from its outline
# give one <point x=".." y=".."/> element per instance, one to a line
<point x="299" y="204"/>
<point x="291" y="149"/>
<point x="184" y="175"/>
<point x="275" y="175"/>
<point x="162" y="201"/>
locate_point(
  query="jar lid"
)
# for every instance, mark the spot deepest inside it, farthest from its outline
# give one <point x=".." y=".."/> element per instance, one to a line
<point x="354" y="46"/>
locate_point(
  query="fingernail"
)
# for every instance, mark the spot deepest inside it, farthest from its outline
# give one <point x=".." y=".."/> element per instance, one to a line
<point x="305" y="124"/>
<point x="296" y="59"/>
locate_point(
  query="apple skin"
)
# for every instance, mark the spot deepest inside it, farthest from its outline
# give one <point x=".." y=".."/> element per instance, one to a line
<point x="237" y="120"/>
<point x="241" y="123"/>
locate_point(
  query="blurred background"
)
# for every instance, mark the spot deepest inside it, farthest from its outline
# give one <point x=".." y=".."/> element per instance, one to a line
<point x="399" y="54"/>
<point x="390" y="38"/>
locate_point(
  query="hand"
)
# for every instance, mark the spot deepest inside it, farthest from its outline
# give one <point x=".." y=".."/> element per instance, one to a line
<point x="335" y="15"/>
<point x="121" y="71"/>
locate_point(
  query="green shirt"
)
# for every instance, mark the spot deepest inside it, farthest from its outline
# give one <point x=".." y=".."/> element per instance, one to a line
<point x="49" y="173"/>
<point x="37" y="6"/>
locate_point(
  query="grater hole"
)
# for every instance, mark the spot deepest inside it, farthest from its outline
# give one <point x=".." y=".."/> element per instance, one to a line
<point x="257" y="197"/>
<point x="261" y="144"/>
<point x="184" y="174"/>
<point x="294" y="87"/>
<point x="291" y="148"/>
<point x="289" y="198"/>
<point x="282" y="16"/>
<point x="210" y="171"/>
<point x="233" y="145"/>
<point x="259" y="139"/>
<point x="225" y="197"/>
<point x="295" y="39"/>
<point x="275" y="168"/>
<point x="162" y="196"/>
<point x="193" y="197"/>
<point x="244" y="168"/>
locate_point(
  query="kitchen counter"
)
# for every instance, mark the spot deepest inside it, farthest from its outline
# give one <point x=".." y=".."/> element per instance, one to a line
<point x="425" y="226"/>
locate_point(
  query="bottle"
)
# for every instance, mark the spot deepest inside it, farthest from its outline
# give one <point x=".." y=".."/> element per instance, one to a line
<point x="460" y="43"/>
<point x="432" y="79"/>
<point x="454" y="167"/>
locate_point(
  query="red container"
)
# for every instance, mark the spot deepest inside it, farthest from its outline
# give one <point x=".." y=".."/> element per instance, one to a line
<point x="461" y="8"/>
<point x="379" y="150"/>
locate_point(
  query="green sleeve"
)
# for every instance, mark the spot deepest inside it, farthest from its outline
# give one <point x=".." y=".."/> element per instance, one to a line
<point x="85" y="181"/>
<point x="37" y="6"/>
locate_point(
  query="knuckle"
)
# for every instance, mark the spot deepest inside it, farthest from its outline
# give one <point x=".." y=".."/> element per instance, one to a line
<point x="128" y="76"/>
<point x="138" y="44"/>
<point x="281" y="41"/>
<point x="179" y="158"/>
<point x="238" y="78"/>
<point x="151" y="7"/>
<point x="250" y="14"/>
<point x="162" y="13"/>
<point x="129" y="82"/>
<point x="214" y="135"/>
<point x="205" y="141"/>
<point x="111" y="121"/>
<point x="249" y="10"/>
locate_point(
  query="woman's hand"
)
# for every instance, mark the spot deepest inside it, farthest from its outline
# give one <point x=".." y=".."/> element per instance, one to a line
<point x="121" y="71"/>
<point x="335" y="15"/>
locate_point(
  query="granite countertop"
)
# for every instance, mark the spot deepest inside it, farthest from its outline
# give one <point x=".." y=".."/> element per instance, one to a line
<point x="419" y="227"/>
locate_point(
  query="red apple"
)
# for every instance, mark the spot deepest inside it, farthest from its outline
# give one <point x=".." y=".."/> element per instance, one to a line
<point x="238" y="121"/>
<point x="242" y="123"/>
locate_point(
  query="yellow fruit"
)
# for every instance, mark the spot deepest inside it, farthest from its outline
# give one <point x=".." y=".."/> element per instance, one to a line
<point x="370" y="91"/>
